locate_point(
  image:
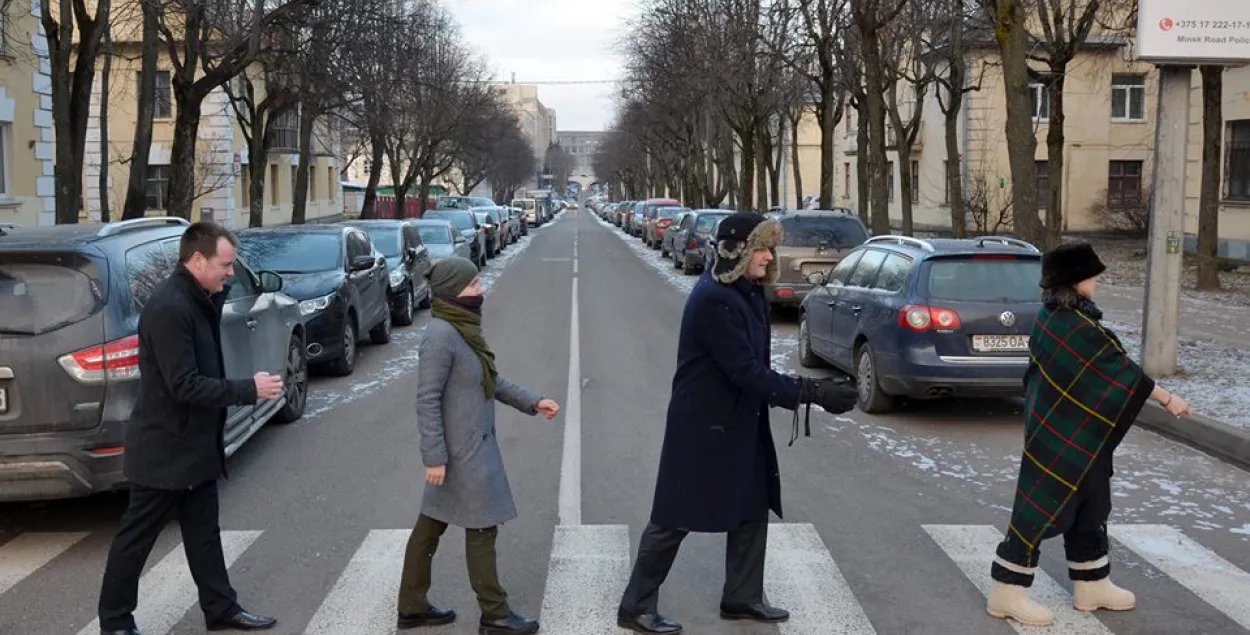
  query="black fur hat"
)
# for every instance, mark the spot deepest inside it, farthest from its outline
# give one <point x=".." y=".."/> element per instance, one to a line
<point x="1066" y="265"/>
<point x="737" y="237"/>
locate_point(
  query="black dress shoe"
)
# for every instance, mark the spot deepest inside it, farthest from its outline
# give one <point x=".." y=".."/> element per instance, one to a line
<point x="647" y="623"/>
<point x="755" y="612"/>
<point x="244" y="621"/>
<point x="432" y="617"/>
<point x="512" y="625"/>
<point x="124" y="631"/>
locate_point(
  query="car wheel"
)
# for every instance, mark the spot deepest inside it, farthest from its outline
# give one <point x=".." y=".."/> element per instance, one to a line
<point x="408" y="311"/>
<point x="381" y="334"/>
<point x="872" y="399"/>
<point x="296" y="382"/>
<point x="346" y="364"/>
<point x="427" y="300"/>
<point x="807" y="359"/>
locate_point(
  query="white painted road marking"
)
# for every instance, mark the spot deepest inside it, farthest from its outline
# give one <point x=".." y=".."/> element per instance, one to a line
<point x="26" y="553"/>
<point x="1217" y="581"/>
<point x="972" y="548"/>
<point x="570" y="499"/>
<point x="167" y="591"/>
<point x="801" y="576"/>
<point x="585" y="579"/>
<point x="362" y="601"/>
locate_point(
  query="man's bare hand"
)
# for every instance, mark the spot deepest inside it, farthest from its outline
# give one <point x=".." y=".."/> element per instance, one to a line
<point x="267" y="386"/>
<point x="436" y="475"/>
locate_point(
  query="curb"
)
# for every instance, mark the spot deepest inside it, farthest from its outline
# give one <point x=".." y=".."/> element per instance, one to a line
<point x="1206" y="435"/>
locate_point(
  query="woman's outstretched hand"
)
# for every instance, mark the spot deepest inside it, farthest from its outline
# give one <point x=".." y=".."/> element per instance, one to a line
<point x="548" y="408"/>
<point x="1178" y="407"/>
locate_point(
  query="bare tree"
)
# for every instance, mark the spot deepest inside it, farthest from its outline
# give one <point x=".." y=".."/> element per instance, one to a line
<point x="948" y="49"/>
<point x="106" y="49"/>
<point x="1209" y="197"/>
<point x="870" y="19"/>
<point x="136" y="185"/>
<point x="914" y="72"/>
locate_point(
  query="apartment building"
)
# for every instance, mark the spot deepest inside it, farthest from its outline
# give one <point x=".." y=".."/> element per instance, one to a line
<point x="582" y="145"/>
<point x="1234" y="195"/>
<point x="27" y="187"/>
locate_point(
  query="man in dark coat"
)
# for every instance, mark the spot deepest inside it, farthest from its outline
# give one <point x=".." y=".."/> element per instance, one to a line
<point x="718" y="467"/>
<point x="175" y="446"/>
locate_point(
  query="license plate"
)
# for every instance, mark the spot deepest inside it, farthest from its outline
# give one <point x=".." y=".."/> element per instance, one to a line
<point x="4" y="401"/>
<point x="810" y="269"/>
<point x="1000" y="343"/>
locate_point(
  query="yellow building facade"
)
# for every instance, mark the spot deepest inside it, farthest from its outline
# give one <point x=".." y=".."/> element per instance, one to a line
<point x="27" y="141"/>
<point x="1234" y="195"/>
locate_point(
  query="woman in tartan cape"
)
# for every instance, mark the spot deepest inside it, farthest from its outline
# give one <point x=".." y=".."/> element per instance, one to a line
<point x="1082" y="393"/>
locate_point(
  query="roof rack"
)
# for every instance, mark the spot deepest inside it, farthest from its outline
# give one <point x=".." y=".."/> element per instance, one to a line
<point x="901" y="240"/>
<point x="112" y="229"/>
<point x="1009" y="241"/>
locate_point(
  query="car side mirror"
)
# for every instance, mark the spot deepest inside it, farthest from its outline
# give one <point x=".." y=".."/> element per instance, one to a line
<point x="412" y="252"/>
<point x="380" y="261"/>
<point x="270" y="282"/>
<point x="460" y="239"/>
<point x="817" y="277"/>
<point x="363" y="263"/>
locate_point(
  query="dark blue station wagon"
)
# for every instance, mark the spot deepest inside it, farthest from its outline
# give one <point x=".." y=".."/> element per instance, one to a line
<point x="925" y="319"/>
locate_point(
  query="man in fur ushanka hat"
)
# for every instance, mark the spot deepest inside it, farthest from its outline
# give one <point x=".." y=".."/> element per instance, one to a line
<point x="718" y="466"/>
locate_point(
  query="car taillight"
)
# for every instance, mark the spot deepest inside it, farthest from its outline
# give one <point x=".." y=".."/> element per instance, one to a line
<point x="116" y="360"/>
<point x="920" y="318"/>
<point x="693" y="244"/>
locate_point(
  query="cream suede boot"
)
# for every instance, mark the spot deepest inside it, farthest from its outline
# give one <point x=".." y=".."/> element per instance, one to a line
<point x="1101" y="594"/>
<point x="1009" y="601"/>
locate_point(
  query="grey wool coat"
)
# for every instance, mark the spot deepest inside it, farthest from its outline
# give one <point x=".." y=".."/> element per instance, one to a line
<point x="457" y="427"/>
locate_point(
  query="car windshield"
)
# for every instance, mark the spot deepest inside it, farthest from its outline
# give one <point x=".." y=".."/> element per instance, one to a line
<point x="37" y="297"/>
<point x="835" y="232"/>
<point x="985" y="280"/>
<point x="432" y="235"/>
<point x="385" y="240"/>
<point x="462" y="219"/>
<point x="290" y="252"/>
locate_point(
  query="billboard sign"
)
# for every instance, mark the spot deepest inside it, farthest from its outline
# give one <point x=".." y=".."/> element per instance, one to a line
<point x="1193" y="31"/>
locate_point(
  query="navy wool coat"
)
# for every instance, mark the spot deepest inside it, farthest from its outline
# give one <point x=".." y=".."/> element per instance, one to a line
<point x="718" y="466"/>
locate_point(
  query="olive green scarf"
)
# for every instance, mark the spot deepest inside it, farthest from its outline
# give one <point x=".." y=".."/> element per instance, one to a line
<point x="469" y="325"/>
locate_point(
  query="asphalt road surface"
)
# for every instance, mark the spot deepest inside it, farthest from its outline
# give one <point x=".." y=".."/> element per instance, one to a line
<point x="890" y="521"/>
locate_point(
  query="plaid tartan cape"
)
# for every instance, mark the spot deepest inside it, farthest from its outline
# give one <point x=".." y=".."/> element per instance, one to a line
<point x="1082" y="393"/>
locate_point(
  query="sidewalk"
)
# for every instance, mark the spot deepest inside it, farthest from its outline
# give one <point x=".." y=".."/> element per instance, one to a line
<point x="1200" y="319"/>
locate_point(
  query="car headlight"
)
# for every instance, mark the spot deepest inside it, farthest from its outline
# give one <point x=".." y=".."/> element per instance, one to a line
<point x="397" y="278"/>
<point x="308" y="307"/>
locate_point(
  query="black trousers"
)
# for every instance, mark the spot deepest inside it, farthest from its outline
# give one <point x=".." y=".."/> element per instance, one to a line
<point x="657" y="549"/>
<point x="479" y="551"/>
<point x="1083" y="525"/>
<point x="197" y="512"/>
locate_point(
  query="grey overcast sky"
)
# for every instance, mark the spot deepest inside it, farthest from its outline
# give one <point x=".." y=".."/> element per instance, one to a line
<point x="552" y="40"/>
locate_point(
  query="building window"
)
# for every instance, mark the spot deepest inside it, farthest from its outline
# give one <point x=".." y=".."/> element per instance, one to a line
<point x="5" y="142"/>
<point x="946" y="182"/>
<point x="331" y="188"/>
<point x="273" y="184"/>
<point x="846" y="177"/>
<point x="158" y="187"/>
<point x="915" y="181"/>
<point x="1237" y="168"/>
<point x="164" y="106"/>
<point x="286" y="131"/>
<point x="889" y="180"/>
<point x="1124" y="184"/>
<point x="1128" y="97"/>
<point x="1039" y="94"/>
<point x="1043" y="184"/>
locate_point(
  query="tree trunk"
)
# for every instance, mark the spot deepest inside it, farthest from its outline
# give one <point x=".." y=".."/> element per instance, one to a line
<point x="746" y="178"/>
<point x="954" y="168"/>
<point x="1208" y="199"/>
<point x="137" y="185"/>
<point x="107" y="44"/>
<point x="904" y="176"/>
<point x="862" y="175"/>
<point x="829" y="117"/>
<point x="1010" y="30"/>
<point x="299" y="199"/>
<point x="182" y="185"/>
<point x="879" y="194"/>
<point x="794" y="161"/>
<point x="761" y="170"/>
<point x="1054" y="161"/>
<point x="377" y="147"/>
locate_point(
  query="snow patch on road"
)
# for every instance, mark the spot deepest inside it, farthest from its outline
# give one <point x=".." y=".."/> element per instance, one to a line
<point x="1211" y="376"/>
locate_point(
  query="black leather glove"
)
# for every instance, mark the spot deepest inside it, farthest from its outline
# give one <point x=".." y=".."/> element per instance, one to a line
<point x="836" y="396"/>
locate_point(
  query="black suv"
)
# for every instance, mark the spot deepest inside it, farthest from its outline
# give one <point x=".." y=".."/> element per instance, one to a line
<point x="70" y="298"/>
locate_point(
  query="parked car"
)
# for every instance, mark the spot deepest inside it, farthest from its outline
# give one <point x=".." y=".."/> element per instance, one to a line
<point x="925" y="319"/>
<point x="813" y="241"/>
<point x="661" y="219"/>
<point x="407" y="261"/>
<point x="442" y="239"/>
<point x="671" y="232"/>
<point x="470" y="228"/>
<point x="496" y="230"/>
<point x="340" y="281"/>
<point x="70" y="299"/>
<point x="533" y="215"/>
<point x="693" y="236"/>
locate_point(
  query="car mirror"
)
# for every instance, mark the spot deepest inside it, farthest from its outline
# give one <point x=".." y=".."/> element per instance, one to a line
<point x="381" y="261"/>
<point x="412" y="252"/>
<point x="363" y="263"/>
<point x="817" y="277"/>
<point x="460" y="239"/>
<point x="270" y="282"/>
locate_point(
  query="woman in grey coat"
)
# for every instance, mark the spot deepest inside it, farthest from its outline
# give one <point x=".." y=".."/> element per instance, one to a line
<point x="466" y="484"/>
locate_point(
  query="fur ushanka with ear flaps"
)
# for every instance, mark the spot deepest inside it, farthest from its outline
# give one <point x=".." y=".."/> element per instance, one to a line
<point x="737" y="237"/>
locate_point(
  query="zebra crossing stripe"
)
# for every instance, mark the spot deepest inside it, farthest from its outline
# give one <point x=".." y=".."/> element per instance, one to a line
<point x="801" y="576"/>
<point x="586" y="576"/>
<point x="167" y="591"/>
<point x="1217" y="581"/>
<point x="27" y="553"/>
<point x="362" y="601"/>
<point x="971" y="547"/>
